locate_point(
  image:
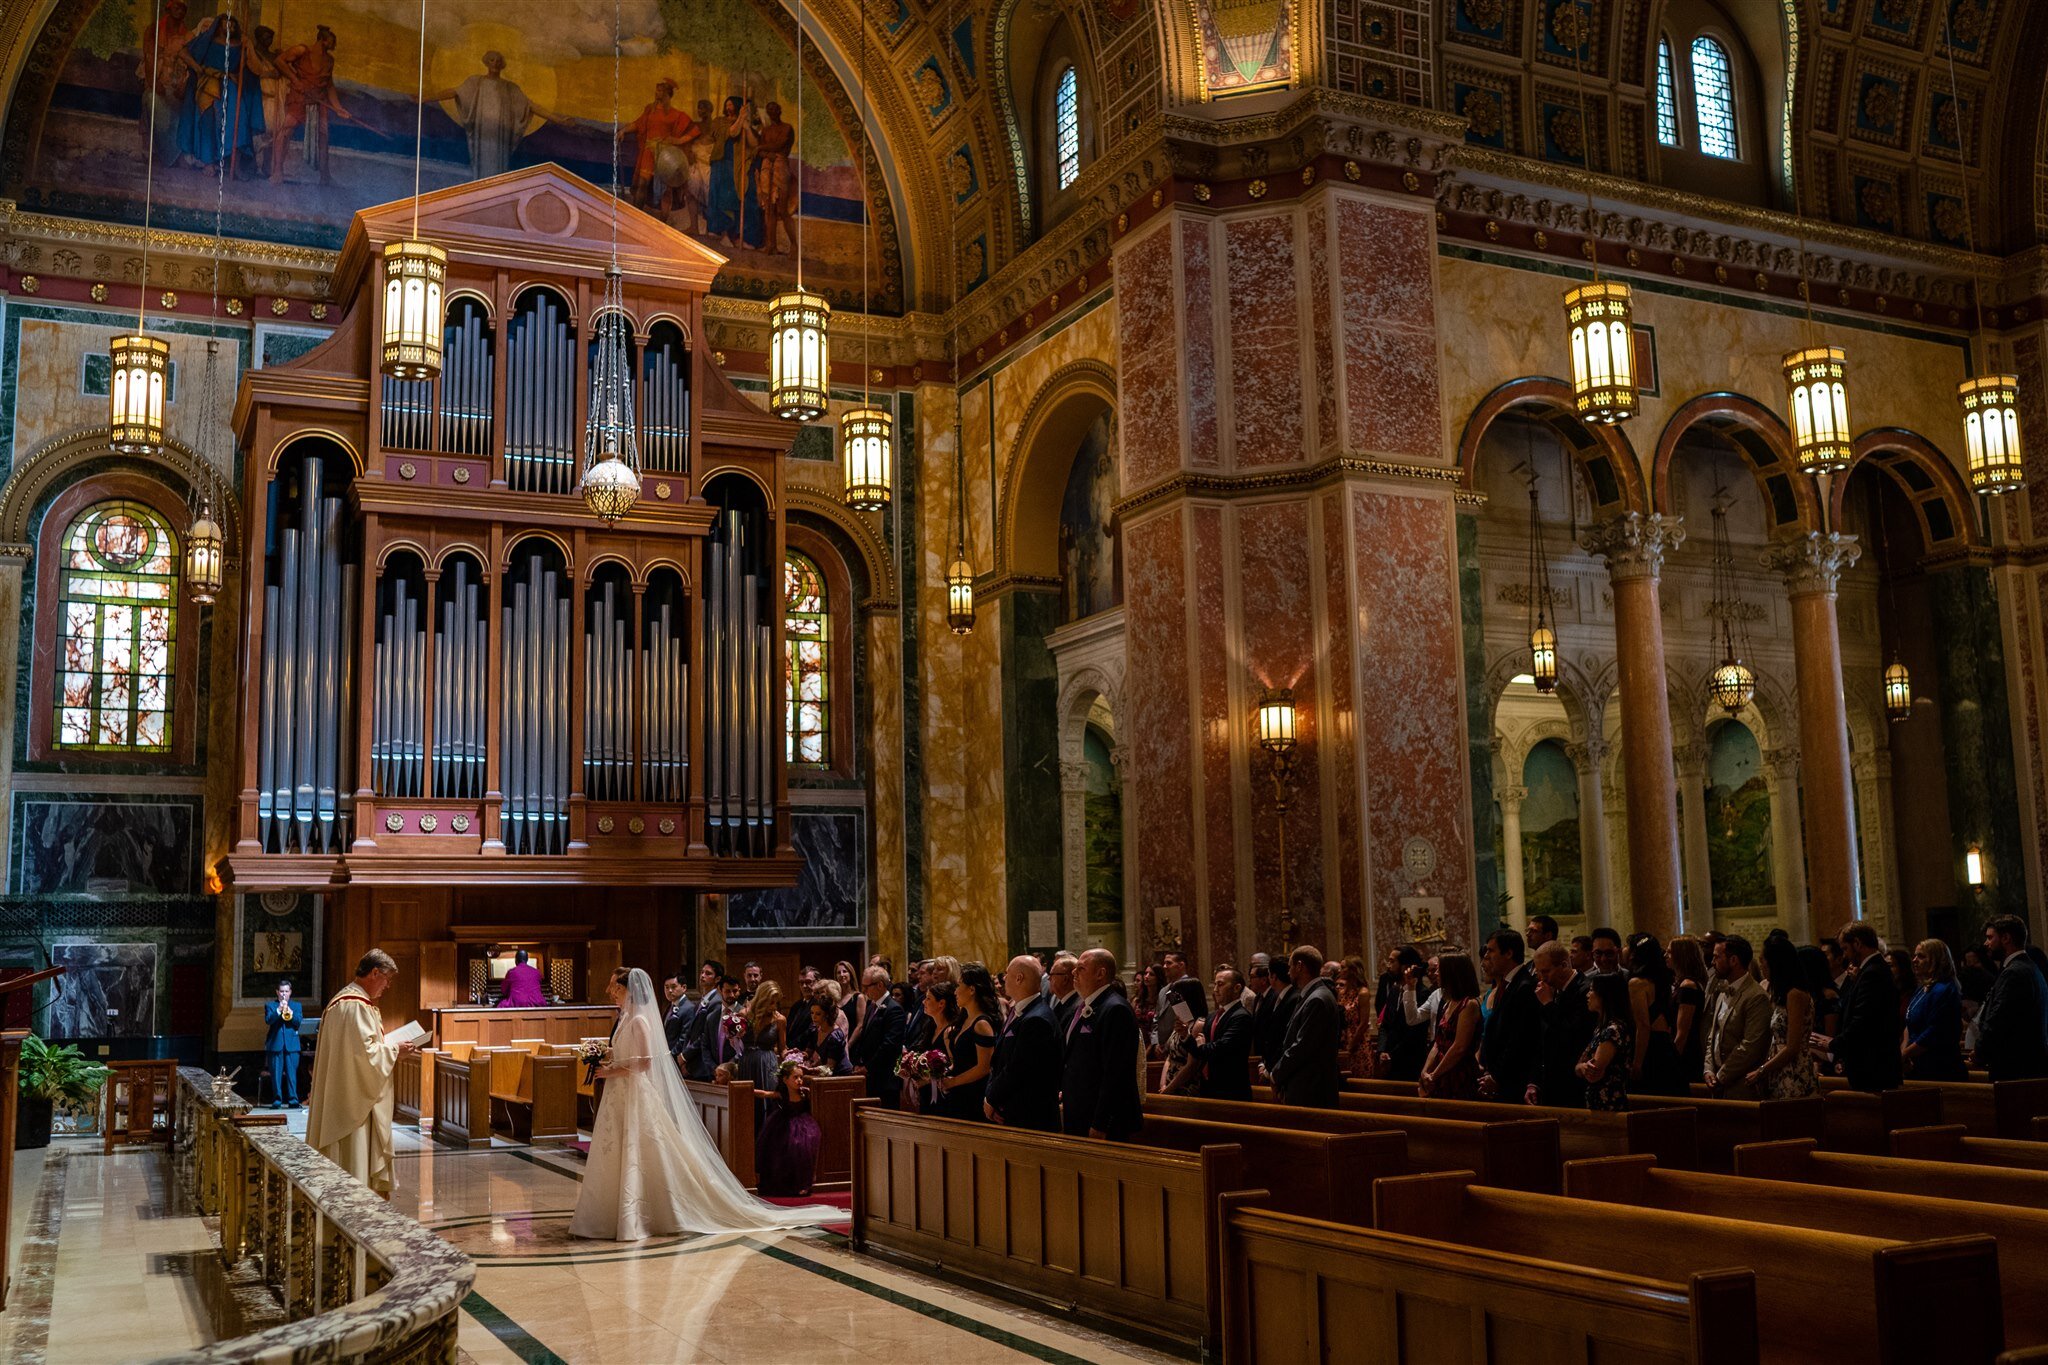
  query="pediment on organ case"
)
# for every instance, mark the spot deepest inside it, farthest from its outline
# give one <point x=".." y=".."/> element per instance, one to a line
<point x="539" y="216"/>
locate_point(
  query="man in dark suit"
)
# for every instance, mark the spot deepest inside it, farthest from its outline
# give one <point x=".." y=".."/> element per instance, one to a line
<point x="1512" y="1042"/>
<point x="1223" y="1043"/>
<point x="1305" y="1073"/>
<point x="1866" y="1040"/>
<point x="1066" y="1001"/>
<point x="706" y="1044"/>
<point x="1099" y="1090"/>
<point x="682" y="1013"/>
<point x="1024" y="1076"/>
<point x="1265" y="988"/>
<point x="281" y="1047"/>
<point x="881" y="1039"/>
<point x="1567" y="1022"/>
<point x="1181" y="987"/>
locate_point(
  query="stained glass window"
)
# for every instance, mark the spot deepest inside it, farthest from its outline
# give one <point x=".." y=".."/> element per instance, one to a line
<point x="1713" y="98"/>
<point x="807" y="631"/>
<point x="1066" y="120"/>
<point x="1667" y="96"/>
<point x="118" y="599"/>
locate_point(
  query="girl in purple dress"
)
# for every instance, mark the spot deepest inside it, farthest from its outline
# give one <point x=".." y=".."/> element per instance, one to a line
<point x="786" y="1153"/>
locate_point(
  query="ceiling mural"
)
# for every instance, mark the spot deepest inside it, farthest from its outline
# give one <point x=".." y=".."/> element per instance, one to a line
<point x="292" y="118"/>
<point x="1247" y="45"/>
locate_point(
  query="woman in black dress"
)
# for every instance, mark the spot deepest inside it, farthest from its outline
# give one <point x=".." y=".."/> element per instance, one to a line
<point x="1655" y="1068"/>
<point x="1402" y="1045"/>
<point x="970" y="1042"/>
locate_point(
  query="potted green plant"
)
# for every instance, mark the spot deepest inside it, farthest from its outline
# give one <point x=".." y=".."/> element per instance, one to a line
<point x="50" y="1074"/>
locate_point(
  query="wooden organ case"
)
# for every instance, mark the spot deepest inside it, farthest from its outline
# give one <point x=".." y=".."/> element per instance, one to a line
<point x="453" y="673"/>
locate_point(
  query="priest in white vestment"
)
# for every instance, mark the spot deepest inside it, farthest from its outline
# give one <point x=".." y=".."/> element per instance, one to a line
<point x="350" y="1122"/>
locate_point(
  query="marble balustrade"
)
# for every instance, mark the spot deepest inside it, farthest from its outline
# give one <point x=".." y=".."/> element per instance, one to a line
<point x="358" y="1281"/>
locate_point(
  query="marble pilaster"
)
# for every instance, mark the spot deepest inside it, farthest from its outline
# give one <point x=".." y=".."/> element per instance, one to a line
<point x="1634" y="546"/>
<point x="1691" y="762"/>
<point x="1586" y="758"/>
<point x="1788" y="843"/>
<point x="13" y="562"/>
<point x="1872" y="772"/>
<point x="1511" y="799"/>
<point x="1812" y="565"/>
<point x="888" y="925"/>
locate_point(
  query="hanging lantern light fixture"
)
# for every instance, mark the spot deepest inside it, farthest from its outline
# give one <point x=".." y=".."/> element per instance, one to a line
<point x="1817" y="387"/>
<point x="142" y="367"/>
<point x="799" y="350"/>
<point x="1898" y="683"/>
<point x="414" y="271"/>
<point x="1732" y="684"/>
<point x="1898" y="690"/>
<point x="866" y="433"/>
<point x="1600" y="314"/>
<point x="1991" y="432"/>
<point x="204" y="562"/>
<point x="960" y="596"/>
<point x="1542" y="639"/>
<point x="611" y="446"/>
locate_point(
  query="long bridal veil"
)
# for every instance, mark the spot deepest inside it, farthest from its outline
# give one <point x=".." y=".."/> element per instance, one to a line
<point x="719" y="1203"/>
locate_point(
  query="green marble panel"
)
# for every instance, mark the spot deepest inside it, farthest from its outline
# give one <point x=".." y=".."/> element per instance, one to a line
<point x="1976" y="729"/>
<point x="1031" y="768"/>
<point x="1486" y="833"/>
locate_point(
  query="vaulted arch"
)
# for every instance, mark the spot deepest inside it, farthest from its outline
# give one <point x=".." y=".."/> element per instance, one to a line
<point x="1602" y="453"/>
<point x="1759" y="437"/>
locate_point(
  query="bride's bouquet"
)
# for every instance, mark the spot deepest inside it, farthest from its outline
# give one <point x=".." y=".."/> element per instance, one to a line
<point x="595" y="1053"/>
<point x="924" y="1070"/>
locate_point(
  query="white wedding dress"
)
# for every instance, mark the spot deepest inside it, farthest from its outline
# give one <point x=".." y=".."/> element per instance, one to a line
<point x="653" y="1170"/>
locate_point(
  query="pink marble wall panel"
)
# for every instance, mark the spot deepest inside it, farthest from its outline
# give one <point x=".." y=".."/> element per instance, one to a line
<point x="1265" y="341"/>
<point x="1386" y="273"/>
<point x="1279" y="651"/>
<point x="1413" y="746"/>
<point x="1148" y="363"/>
<point x="1347" y="855"/>
<point x="1198" y="322"/>
<point x="1218" y="816"/>
<point x="1156" y="700"/>
<point x="1322" y="324"/>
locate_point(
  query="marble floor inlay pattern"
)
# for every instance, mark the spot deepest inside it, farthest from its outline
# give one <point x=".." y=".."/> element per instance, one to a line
<point x="107" y="1276"/>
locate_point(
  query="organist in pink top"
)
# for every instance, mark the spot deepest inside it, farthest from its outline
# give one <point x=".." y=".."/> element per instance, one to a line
<point x="522" y="986"/>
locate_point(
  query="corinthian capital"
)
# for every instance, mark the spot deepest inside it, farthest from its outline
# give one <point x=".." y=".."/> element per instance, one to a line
<point x="1813" y="562"/>
<point x="1634" y="545"/>
<point x="1510" y="798"/>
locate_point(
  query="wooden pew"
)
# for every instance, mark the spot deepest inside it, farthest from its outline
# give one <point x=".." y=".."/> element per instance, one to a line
<point x="1517" y="1153"/>
<point x="1804" y="1163"/>
<point x="586" y="1088"/>
<point x="1299" y="1289"/>
<point x="1107" y="1229"/>
<point x="2006" y="1109"/>
<point x="2021" y="1234"/>
<point x="533" y="1094"/>
<point x="833" y="1102"/>
<point x="1671" y="1135"/>
<point x="462" y="1095"/>
<point x="1725" y="1125"/>
<point x="727" y="1111"/>
<point x="1951" y="1143"/>
<point x="1882" y="1289"/>
<point x="1859" y="1121"/>
<point x="412" y="1088"/>
<point x="1315" y="1175"/>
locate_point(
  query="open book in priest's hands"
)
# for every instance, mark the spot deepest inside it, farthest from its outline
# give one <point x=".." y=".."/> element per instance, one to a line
<point x="408" y="1032"/>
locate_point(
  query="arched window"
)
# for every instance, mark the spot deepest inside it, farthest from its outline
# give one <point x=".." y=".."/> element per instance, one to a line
<point x="118" y="604"/>
<point x="1066" y="118"/>
<point x="807" y="638"/>
<point x="1713" y="98"/>
<point x="1667" y="96"/>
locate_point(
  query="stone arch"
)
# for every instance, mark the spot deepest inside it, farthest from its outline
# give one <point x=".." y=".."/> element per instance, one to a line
<point x="859" y="533"/>
<point x="1759" y="437"/>
<point x="1575" y="691"/>
<point x="1940" y="497"/>
<point x="58" y="459"/>
<point x="1059" y="414"/>
<point x="1602" y="453"/>
<point x="1097" y="683"/>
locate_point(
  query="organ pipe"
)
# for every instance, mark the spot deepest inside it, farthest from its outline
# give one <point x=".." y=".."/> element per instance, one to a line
<point x="740" y="781"/>
<point x="535" y="730"/>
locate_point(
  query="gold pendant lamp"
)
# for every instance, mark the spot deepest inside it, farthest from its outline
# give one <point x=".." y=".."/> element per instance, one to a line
<point x="867" y="434"/>
<point x="414" y="271"/>
<point x="799" y="346"/>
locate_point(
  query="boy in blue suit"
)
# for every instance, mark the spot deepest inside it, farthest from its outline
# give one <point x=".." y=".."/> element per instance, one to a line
<point x="281" y="1047"/>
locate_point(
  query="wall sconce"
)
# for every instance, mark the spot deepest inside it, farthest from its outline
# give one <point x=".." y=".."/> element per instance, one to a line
<point x="1273" y="725"/>
<point x="1973" y="867"/>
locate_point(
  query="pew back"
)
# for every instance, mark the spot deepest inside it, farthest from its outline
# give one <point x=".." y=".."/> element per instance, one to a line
<point x="2004" y="1109"/>
<point x="1670" y="1135"/>
<point x="726" y="1108"/>
<point x="1859" y="1121"/>
<point x="1802" y="1161"/>
<point x="833" y="1099"/>
<point x="1724" y="1125"/>
<point x="1949" y="1142"/>
<point x="462" y="1097"/>
<point x="1316" y="1175"/>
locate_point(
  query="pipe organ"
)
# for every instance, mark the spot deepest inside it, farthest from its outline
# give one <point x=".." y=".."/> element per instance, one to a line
<point x="457" y="673"/>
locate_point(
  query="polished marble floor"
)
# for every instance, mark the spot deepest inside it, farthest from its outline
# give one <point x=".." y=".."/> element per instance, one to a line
<point x="122" y="1282"/>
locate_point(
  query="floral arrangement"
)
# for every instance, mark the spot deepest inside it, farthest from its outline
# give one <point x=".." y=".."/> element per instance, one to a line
<point x="924" y="1069"/>
<point x="595" y="1053"/>
<point x="792" y="1060"/>
<point x="735" y="1025"/>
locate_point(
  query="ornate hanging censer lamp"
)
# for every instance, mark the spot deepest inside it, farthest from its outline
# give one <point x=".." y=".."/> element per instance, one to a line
<point x="866" y="433"/>
<point x="141" y="363"/>
<point x="414" y="271"/>
<point x="799" y="348"/>
<point x="611" y="447"/>
<point x="1542" y="639"/>
<point x="1599" y="314"/>
<point x="1732" y="685"/>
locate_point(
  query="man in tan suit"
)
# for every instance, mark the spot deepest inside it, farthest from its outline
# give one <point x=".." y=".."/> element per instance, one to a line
<point x="1739" y="1034"/>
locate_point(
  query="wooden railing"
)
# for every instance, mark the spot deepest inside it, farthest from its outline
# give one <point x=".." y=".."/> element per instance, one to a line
<point x="357" y="1281"/>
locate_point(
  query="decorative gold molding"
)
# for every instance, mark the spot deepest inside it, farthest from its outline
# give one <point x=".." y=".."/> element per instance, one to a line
<point x="1233" y="486"/>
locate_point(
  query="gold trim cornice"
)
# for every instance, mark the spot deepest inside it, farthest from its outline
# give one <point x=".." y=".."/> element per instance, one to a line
<point x="1343" y="469"/>
<point x="87" y="232"/>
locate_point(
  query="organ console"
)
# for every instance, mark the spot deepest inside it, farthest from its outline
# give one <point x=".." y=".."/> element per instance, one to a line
<point x="453" y="673"/>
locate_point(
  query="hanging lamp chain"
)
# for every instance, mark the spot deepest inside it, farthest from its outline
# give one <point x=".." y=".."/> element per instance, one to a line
<point x="419" y="120"/>
<point x="156" y="57"/>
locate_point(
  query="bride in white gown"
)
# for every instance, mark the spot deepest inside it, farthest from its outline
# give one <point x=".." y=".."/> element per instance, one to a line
<point x="653" y="1170"/>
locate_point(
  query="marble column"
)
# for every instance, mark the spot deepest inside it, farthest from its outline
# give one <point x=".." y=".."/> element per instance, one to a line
<point x="1634" y="545"/>
<point x="1691" y="761"/>
<point x="1873" y="774"/>
<point x="1587" y="758"/>
<point x="1788" y="845"/>
<point x="1812" y="565"/>
<point x="13" y="562"/>
<point x="1511" y="799"/>
<point x="1074" y="854"/>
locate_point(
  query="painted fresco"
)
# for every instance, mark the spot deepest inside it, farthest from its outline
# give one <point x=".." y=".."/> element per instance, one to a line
<point x="1246" y="44"/>
<point x="1738" y="820"/>
<point x="829" y="899"/>
<point x="108" y="990"/>
<point x="1102" y="833"/>
<point x="308" y="113"/>
<point x="1091" y="561"/>
<point x="1551" y="881"/>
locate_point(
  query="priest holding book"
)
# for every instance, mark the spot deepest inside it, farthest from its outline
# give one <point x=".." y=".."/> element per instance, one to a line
<point x="350" y="1122"/>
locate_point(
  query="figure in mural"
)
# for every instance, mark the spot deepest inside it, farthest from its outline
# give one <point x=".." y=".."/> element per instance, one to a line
<point x="274" y="82"/>
<point x="660" y="127"/>
<point x="310" y="101"/>
<point x="697" y="152"/>
<point x="494" y="112"/>
<point x="207" y="135"/>
<point x="165" y="70"/>
<point x="735" y="138"/>
<point x="772" y="214"/>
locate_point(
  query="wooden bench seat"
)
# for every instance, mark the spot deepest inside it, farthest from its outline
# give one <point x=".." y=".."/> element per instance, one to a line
<point x="1725" y="1125"/>
<point x="1949" y="1142"/>
<point x="2021" y="1233"/>
<point x="1316" y="1175"/>
<point x="1670" y="1135"/>
<point x="1298" y="1289"/>
<point x="462" y="1094"/>
<point x="1803" y="1162"/>
<point x="533" y="1093"/>
<point x="1821" y="1295"/>
<point x="1517" y="1153"/>
<point x="2004" y="1109"/>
